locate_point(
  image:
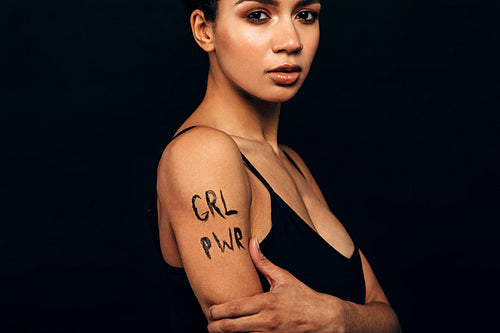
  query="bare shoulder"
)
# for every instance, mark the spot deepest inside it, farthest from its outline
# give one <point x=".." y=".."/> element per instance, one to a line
<point x="200" y="160"/>
<point x="200" y="144"/>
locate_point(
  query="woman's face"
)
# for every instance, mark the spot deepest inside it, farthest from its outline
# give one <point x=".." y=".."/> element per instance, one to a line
<point x="266" y="47"/>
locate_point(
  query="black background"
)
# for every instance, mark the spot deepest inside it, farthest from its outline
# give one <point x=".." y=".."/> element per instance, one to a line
<point x="401" y="108"/>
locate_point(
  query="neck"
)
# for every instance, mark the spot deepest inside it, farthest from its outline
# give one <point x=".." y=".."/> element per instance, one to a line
<point x="237" y="113"/>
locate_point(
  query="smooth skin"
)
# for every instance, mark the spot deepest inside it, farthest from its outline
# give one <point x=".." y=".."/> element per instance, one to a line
<point x="240" y="113"/>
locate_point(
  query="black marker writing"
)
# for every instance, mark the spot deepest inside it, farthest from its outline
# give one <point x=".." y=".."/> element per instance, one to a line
<point x="211" y="206"/>
<point x="238" y="236"/>
<point x="204" y="216"/>
<point x="211" y="200"/>
<point x="207" y="244"/>
<point x="222" y="246"/>
<point x="228" y="212"/>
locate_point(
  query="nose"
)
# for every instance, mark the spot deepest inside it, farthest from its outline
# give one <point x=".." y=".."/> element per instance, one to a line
<point x="287" y="38"/>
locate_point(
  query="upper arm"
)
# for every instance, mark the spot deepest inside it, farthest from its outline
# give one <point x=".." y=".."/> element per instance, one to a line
<point x="204" y="192"/>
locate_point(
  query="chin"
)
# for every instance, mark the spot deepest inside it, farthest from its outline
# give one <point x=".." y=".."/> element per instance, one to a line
<point x="278" y="99"/>
<point x="282" y="97"/>
<point x="278" y="94"/>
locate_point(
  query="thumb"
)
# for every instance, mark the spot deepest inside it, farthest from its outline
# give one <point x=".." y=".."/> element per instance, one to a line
<point x="274" y="274"/>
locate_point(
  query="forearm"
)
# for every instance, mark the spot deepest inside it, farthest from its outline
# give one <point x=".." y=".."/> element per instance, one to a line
<point x="373" y="318"/>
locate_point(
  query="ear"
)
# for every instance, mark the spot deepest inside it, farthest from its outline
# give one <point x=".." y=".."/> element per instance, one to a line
<point x="202" y="30"/>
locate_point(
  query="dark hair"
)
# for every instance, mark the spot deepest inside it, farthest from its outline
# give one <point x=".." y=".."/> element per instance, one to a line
<point x="209" y="7"/>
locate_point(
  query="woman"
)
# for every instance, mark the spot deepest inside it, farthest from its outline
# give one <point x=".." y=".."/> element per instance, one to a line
<point x="224" y="185"/>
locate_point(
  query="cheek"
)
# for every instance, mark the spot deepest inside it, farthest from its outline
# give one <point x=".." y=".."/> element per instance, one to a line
<point x="244" y="49"/>
<point x="311" y="43"/>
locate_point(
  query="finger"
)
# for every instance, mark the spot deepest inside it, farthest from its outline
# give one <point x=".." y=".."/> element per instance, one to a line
<point x="253" y="323"/>
<point x="244" y="306"/>
<point x="273" y="273"/>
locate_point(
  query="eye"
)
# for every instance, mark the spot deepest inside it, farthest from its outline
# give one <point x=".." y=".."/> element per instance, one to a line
<point x="257" y="17"/>
<point x="307" y="16"/>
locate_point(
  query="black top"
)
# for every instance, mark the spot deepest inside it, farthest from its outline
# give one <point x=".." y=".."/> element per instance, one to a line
<point x="292" y="245"/>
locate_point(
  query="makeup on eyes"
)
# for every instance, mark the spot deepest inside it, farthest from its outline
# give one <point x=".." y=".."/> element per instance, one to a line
<point x="257" y="17"/>
<point x="254" y="13"/>
<point x="254" y="38"/>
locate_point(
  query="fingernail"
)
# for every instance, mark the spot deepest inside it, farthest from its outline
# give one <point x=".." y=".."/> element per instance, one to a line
<point x="257" y="242"/>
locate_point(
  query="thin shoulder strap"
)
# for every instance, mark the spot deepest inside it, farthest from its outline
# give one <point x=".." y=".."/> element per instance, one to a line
<point x="293" y="162"/>
<point x="245" y="159"/>
<point x="257" y="173"/>
<point x="183" y="131"/>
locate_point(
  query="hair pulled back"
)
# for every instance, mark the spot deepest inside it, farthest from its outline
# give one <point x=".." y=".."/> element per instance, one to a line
<point x="208" y="7"/>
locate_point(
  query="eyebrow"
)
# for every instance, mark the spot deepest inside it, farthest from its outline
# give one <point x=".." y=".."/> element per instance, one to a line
<point x="307" y="2"/>
<point x="276" y="2"/>
<point x="266" y="2"/>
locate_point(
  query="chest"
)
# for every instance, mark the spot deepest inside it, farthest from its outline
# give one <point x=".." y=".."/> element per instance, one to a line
<point x="278" y="179"/>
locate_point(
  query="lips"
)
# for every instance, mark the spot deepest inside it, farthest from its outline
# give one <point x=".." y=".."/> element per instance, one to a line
<point x="285" y="74"/>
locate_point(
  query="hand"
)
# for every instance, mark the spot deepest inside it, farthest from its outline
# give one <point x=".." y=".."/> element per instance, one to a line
<point x="290" y="306"/>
